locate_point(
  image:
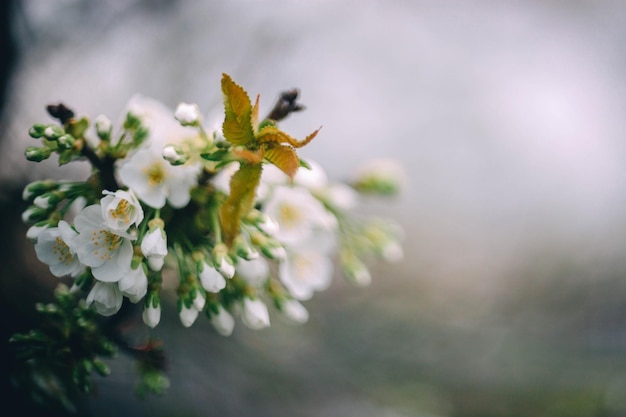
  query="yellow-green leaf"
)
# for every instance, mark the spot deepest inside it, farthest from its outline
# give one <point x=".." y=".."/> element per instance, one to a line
<point x="254" y="117"/>
<point x="272" y="134"/>
<point x="243" y="186"/>
<point x="284" y="157"/>
<point x="237" y="126"/>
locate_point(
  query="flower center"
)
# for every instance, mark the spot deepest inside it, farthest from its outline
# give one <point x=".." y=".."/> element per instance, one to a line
<point x="62" y="251"/>
<point x="302" y="266"/>
<point x="122" y="211"/>
<point x="289" y="216"/>
<point x="155" y="174"/>
<point x="108" y="241"/>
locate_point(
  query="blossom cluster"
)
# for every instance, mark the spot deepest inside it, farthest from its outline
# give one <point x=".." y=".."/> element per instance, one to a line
<point x="236" y="220"/>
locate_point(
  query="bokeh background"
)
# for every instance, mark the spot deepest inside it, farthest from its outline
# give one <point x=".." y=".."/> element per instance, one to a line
<point x="509" y="119"/>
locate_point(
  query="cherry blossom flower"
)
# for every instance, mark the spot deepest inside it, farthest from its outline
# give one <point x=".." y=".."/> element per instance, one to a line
<point x="298" y="213"/>
<point x="151" y="177"/>
<point x="55" y="247"/>
<point x="107" y="252"/>
<point x="156" y="181"/>
<point x="305" y="271"/>
<point x="120" y="210"/>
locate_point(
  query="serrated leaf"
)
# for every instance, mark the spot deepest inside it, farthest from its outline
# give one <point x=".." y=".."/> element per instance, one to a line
<point x="254" y="116"/>
<point x="237" y="126"/>
<point x="243" y="185"/>
<point x="272" y="134"/>
<point x="284" y="157"/>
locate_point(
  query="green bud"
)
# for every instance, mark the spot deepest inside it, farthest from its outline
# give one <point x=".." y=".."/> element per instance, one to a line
<point x="33" y="215"/>
<point x="37" y="154"/>
<point x="103" y="127"/>
<point x="52" y="132"/>
<point x="36" y="131"/>
<point x="66" y="142"/>
<point x="46" y="201"/>
<point x="37" y="188"/>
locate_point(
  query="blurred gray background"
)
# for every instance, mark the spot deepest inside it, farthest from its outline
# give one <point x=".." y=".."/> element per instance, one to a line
<point x="509" y="118"/>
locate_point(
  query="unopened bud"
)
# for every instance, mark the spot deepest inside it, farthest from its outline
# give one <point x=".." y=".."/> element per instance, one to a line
<point x="36" y="154"/>
<point x="37" y="188"/>
<point x="66" y="141"/>
<point x="175" y="155"/>
<point x="103" y="127"/>
<point x="53" y="132"/>
<point x="34" y="214"/>
<point x="188" y="114"/>
<point x="36" y="131"/>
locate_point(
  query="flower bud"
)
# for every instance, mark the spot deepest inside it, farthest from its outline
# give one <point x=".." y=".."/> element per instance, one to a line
<point x="354" y="269"/>
<point x="66" y="142"/>
<point x="188" y="114"/>
<point x="151" y="315"/>
<point x="223" y="263"/>
<point x="53" y="132"/>
<point x="103" y="127"/>
<point x="46" y="201"/>
<point x="210" y="278"/>
<point x="380" y="176"/>
<point x="175" y="155"/>
<point x="243" y="249"/>
<point x="223" y="321"/>
<point x="295" y="311"/>
<point x="254" y="314"/>
<point x="36" y="188"/>
<point x="36" y="131"/>
<point x="188" y="315"/>
<point x="37" y="154"/>
<point x="34" y="214"/>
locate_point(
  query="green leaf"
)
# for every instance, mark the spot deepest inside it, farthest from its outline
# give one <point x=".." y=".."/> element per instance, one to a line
<point x="243" y="185"/>
<point x="237" y="126"/>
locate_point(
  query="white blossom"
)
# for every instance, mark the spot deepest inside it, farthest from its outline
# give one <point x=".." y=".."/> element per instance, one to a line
<point x="156" y="181"/>
<point x="120" y="210"/>
<point x="153" y="179"/>
<point x="105" y="297"/>
<point x="305" y="271"/>
<point x="312" y="178"/>
<point x="298" y="213"/>
<point x="108" y="253"/>
<point x="56" y="247"/>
